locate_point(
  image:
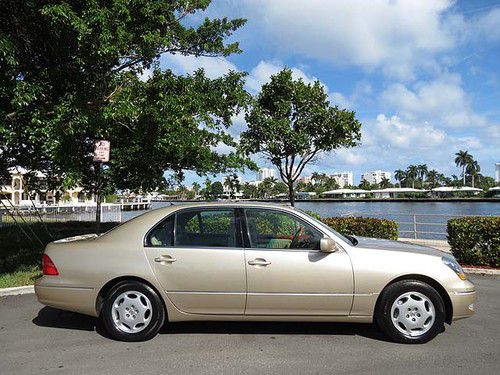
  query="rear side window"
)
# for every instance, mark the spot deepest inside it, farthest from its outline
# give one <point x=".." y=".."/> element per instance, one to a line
<point x="162" y="235"/>
<point x="206" y="228"/>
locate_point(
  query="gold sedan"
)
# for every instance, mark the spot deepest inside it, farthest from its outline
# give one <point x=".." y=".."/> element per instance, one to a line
<point x="220" y="261"/>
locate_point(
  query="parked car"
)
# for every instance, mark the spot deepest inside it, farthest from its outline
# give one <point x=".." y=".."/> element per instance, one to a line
<point x="253" y="262"/>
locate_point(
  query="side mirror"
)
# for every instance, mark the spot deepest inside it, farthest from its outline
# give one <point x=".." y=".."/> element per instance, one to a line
<point x="327" y="245"/>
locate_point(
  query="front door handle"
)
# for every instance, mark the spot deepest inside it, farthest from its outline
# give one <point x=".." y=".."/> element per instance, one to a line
<point x="259" y="262"/>
<point x="165" y="259"/>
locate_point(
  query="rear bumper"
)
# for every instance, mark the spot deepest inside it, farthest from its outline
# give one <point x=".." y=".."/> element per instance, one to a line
<point x="78" y="299"/>
<point x="464" y="303"/>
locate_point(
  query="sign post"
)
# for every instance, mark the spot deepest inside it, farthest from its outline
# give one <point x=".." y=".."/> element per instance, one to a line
<point x="101" y="155"/>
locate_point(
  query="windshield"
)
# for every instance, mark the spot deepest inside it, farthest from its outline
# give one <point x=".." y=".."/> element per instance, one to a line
<point x="349" y="239"/>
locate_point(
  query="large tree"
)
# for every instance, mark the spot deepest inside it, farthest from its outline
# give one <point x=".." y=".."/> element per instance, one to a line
<point x="69" y="75"/>
<point x="291" y="122"/>
<point x="463" y="159"/>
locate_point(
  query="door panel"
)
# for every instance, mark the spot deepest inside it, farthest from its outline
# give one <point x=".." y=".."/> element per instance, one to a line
<point x="299" y="283"/>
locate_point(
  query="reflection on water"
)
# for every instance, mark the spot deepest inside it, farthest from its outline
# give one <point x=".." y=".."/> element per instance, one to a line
<point x="401" y="212"/>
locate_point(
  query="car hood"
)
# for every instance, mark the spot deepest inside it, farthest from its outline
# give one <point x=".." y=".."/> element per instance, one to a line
<point x="388" y="245"/>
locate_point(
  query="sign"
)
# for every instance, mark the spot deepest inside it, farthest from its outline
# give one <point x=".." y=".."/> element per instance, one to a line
<point x="101" y="152"/>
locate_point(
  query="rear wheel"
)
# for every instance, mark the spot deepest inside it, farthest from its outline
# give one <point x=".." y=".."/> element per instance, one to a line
<point x="410" y="312"/>
<point x="132" y="311"/>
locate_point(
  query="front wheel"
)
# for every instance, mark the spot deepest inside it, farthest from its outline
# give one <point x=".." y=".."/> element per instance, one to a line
<point x="411" y="312"/>
<point x="132" y="311"/>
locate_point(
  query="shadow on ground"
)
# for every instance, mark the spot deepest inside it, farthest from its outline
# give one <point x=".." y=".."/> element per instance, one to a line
<point x="54" y="318"/>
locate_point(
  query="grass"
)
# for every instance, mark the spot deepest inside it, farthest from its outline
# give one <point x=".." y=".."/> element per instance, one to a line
<point x="20" y="256"/>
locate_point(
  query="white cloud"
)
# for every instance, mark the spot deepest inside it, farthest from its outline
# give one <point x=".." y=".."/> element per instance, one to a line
<point x="214" y="66"/>
<point x="442" y="99"/>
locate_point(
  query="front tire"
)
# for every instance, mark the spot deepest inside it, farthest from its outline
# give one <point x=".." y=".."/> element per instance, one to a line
<point x="132" y="311"/>
<point x="410" y="312"/>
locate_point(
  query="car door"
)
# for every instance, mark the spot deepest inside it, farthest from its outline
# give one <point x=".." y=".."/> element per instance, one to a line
<point x="287" y="274"/>
<point x="198" y="258"/>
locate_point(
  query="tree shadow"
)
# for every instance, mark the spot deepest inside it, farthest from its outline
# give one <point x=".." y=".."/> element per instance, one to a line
<point x="55" y="318"/>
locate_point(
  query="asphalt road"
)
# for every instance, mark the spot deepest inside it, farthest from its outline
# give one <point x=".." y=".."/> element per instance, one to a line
<point x="37" y="339"/>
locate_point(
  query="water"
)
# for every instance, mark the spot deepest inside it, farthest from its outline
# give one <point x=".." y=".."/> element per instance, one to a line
<point x="401" y="212"/>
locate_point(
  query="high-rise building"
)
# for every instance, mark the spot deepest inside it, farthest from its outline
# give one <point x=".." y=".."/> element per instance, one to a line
<point x="264" y="173"/>
<point x="375" y="177"/>
<point x="342" y="178"/>
<point x="497" y="172"/>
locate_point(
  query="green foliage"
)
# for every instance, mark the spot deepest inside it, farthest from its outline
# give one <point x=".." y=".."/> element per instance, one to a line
<point x="475" y="240"/>
<point x="364" y="227"/>
<point x="17" y="252"/>
<point x="69" y="75"/>
<point x="313" y="214"/>
<point x="292" y="122"/>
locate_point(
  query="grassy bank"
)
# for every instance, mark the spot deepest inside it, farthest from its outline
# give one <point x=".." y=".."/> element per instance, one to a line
<point x="20" y="256"/>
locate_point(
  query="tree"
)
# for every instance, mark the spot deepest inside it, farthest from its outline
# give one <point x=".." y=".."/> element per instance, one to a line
<point x="412" y="174"/>
<point x="473" y="170"/>
<point x="249" y="191"/>
<point x="217" y="189"/>
<point x="292" y="122"/>
<point x="206" y="192"/>
<point x="433" y="178"/>
<point x="463" y="159"/>
<point x="400" y="176"/>
<point x="385" y="183"/>
<point x="70" y="75"/>
<point x="266" y="187"/>
<point x="422" y="171"/>
<point x="233" y="185"/>
<point x="196" y="188"/>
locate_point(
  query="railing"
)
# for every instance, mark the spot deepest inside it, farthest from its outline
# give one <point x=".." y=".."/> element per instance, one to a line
<point x="416" y="226"/>
<point x="59" y="214"/>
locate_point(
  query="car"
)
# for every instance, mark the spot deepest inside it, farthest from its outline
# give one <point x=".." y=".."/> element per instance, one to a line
<point x="251" y="262"/>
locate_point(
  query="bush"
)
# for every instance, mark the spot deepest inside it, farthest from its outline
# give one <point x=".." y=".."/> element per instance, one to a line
<point x="475" y="240"/>
<point x="364" y="226"/>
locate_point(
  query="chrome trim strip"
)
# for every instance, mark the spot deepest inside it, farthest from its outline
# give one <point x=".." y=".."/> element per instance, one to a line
<point x="65" y="287"/>
<point x="465" y="293"/>
<point x="275" y="293"/>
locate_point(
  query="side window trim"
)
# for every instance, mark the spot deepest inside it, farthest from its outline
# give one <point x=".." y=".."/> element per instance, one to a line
<point x="292" y="214"/>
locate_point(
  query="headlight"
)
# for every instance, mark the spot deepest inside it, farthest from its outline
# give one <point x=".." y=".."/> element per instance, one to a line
<point x="453" y="264"/>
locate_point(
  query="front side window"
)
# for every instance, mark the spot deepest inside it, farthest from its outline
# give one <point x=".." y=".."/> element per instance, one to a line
<point x="206" y="228"/>
<point x="279" y="230"/>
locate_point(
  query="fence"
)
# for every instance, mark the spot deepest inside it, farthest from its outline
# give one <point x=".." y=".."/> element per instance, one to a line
<point x="60" y="214"/>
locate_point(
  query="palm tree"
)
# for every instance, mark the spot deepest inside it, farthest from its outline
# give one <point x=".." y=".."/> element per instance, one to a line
<point x="400" y="176"/>
<point x="196" y="187"/>
<point x="232" y="183"/>
<point x="473" y="169"/>
<point x="463" y="159"/>
<point x="422" y="171"/>
<point x="412" y="174"/>
<point x="433" y="178"/>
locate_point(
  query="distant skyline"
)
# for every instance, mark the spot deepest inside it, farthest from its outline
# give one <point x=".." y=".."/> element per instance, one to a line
<point x="422" y="76"/>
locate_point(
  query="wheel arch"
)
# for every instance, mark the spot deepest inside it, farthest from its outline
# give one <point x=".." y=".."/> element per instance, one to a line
<point x="448" y="306"/>
<point x="111" y="283"/>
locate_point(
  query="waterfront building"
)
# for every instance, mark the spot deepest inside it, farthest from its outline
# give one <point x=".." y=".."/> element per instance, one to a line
<point x="14" y="191"/>
<point x="396" y="192"/>
<point x="346" y="193"/>
<point x="264" y="173"/>
<point x="306" y="180"/>
<point x="449" y="191"/>
<point x="375" y="177"/>
<point x="343" y="179"/>
<point x="497" y="172"/>
<point x="305" y="195"/>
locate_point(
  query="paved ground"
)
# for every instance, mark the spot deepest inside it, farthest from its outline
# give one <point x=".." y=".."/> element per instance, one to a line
<point x="37" y="339"/>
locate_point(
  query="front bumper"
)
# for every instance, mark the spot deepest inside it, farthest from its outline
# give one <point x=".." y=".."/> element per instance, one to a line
<point x="464" y="303"/>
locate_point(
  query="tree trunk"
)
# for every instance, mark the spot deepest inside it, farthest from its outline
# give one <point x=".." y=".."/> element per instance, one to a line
<point x="291" y="194"/>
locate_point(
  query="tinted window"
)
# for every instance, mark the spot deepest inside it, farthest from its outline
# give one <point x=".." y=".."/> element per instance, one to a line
<point x="162" y="234"/>
<point x="206" y="228"/>
<point x="279" y="230"/>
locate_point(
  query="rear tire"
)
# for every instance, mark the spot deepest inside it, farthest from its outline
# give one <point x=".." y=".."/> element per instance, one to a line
<point x="410" y="312"/>
<point x="132" y="311"/>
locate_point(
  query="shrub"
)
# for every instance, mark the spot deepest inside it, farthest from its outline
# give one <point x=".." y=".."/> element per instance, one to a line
<point x="475" y="240"/>
<point x="364" y="226"/>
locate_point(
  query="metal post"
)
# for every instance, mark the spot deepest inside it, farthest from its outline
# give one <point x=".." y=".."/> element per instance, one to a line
<point x="98" y="198"/>
<point x="415" y="226"/>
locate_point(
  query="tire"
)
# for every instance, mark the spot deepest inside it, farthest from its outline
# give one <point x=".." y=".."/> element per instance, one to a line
<point x="410" y="312"/>
<point x="132" y="311"/>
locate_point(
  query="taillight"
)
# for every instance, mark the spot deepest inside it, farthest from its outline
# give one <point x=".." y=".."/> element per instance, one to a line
<point x="48" y="266"/>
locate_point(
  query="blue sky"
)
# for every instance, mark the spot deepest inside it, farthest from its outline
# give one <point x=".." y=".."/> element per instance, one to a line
<point x="422" y="76"/>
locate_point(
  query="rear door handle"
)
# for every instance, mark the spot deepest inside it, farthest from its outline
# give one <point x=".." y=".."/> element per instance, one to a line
<point x="165" y="259"/>
<point x="259" y="262"/>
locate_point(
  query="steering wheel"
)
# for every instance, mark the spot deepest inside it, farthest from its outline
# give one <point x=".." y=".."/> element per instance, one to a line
<point x="295" y="240"/>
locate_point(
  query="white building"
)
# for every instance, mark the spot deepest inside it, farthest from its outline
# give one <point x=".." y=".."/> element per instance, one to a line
<point x="497" y="172"/>
<point x="306" y="180"/>
<point x="264" y="173"/>
<point x="375" y="177"/>
<point x="15" y="192"/>
<point x="343" y="179"/>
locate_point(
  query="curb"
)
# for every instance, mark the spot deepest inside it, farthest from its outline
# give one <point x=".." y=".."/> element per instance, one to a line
<point x="28" y="289"/>
<point x="481" y="271"/>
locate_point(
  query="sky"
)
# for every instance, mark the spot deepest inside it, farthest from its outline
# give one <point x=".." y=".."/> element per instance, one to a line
<point x="422" y="76"/>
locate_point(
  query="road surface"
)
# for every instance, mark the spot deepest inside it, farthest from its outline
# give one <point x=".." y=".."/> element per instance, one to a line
<point x="36" y="339"/>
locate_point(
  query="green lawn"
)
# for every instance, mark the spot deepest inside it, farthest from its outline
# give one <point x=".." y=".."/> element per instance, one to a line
<point x="20" y="256"/>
